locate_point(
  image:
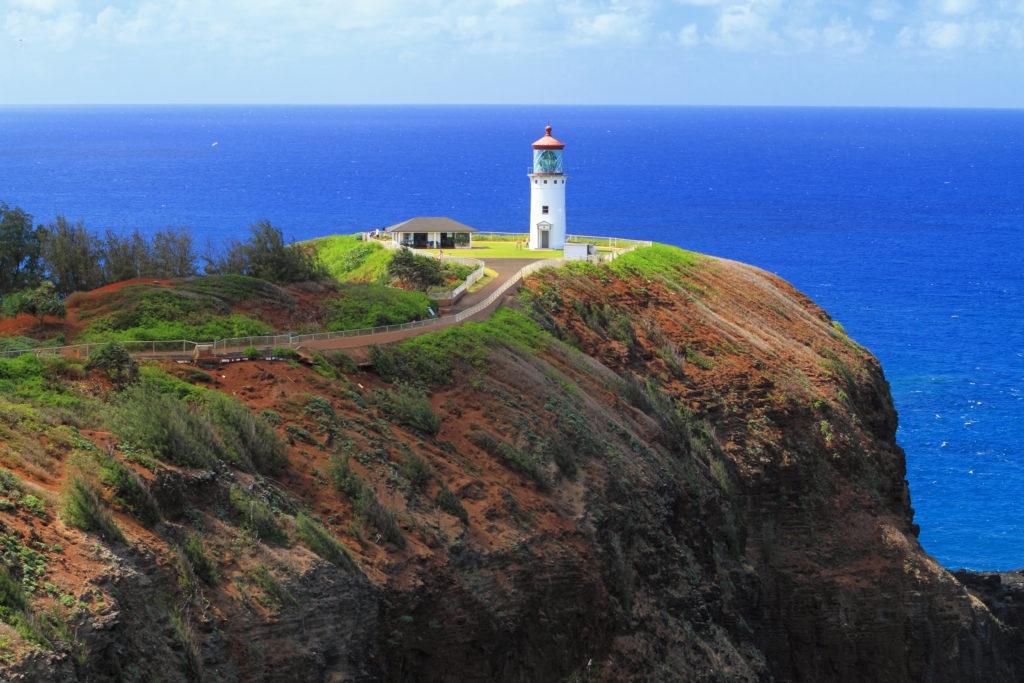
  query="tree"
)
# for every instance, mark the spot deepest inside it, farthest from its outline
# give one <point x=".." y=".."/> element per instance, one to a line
<point x="126" y="257"/>
<point x="19" y="250"/>
<point x="172" y="254"/>
<point x="414" y="271"/>
<point x="71" y="257"/>
<point x="40" y="302"/>
<point x="265" y="255"/>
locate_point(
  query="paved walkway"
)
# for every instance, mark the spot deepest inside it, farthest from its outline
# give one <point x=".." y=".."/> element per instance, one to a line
<point x="358" y="347"/>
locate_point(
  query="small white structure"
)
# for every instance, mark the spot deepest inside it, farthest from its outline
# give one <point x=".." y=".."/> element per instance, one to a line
<point x="579" y="251"/>
<point x="547" y="194"/>
<point x="432" y="232"/>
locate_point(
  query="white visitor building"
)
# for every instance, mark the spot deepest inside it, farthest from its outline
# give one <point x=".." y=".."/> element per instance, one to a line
<point x="547" y="194"/>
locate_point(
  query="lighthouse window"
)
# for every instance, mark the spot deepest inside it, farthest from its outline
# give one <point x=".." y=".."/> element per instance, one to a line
<point x="543" y="209"/>
<point x="545" y="182"/>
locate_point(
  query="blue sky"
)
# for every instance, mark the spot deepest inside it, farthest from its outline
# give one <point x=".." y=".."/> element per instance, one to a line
<point x="959" y="53"/>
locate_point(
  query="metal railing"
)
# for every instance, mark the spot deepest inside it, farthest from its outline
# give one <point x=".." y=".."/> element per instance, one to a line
<point x="233" y="344"/>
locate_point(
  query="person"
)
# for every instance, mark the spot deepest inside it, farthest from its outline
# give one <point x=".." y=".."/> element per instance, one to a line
<point x="440" y="254"/>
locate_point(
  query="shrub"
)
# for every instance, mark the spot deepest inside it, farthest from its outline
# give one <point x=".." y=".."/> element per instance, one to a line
<point x="366" y="305"/>
<point x="323" y="543"/>
<point x="130" y="491"/>
<point x="364" y="501"/>
<point x="84" y="508"/>
<point x="251" y="439"/>
<point x="200" y="432"/>
<point x="511" y="456"/>
<point x="202" y="565"/>
<point x="449" y="502"/>
<point x="414" y="271"/>
<point x="417" y="471"/>
<point x="252" y="353"/>
<point x="167" y="427"/>
<point x="115" y="361"/>
<point x="257" y="516"/>
<point x="410" y="408"/>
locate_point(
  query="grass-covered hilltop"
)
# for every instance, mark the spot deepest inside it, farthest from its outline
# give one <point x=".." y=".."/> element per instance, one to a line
<point x="667" y="467"/>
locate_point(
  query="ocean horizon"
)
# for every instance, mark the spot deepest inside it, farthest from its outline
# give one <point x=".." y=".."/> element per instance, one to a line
<point x="906" y="225"/>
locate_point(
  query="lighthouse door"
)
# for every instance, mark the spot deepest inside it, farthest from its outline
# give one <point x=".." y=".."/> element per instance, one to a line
<point x="544" y="239"/>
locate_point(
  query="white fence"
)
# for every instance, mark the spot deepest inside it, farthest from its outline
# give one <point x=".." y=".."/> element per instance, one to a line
<point x="232" y="344"/>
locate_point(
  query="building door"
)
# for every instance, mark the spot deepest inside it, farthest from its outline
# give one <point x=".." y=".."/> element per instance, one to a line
<point x="544" y="239"/>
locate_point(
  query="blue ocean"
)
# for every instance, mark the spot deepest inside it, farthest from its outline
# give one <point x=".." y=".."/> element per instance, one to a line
<point x="907" y="225"/>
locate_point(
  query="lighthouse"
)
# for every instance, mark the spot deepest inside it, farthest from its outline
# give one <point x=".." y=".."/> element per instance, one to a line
<point x="547" y="194"/>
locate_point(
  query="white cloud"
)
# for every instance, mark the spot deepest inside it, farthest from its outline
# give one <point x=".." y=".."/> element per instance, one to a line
<point x="745" y="27"/>
<point x="883" y="10"/>
<point x="955" y="6"/>
<point x="688" y="36"/>
<point x="943" y="35"/>
<point x="611" y="26"/>
<point x="44" y="6"/>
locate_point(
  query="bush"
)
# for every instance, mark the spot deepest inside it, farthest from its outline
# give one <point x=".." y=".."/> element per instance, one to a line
<point x="256" y="516"/>
<point x="414" y="271"/>
<point x="410" y="408"/>
<point x="417" y="471"/>
<point x="167" y="427"/>
<point x="130" y="492"/>
<point x="114" y="360"/>
<point x="364" y="501"/>
<point x="84" y="508"/>
<point x="251" y="439"/>
<point x="365" y="305"/>
<point x="323" y="543"/>
<point x="202" y="565"/>
<point x="200" y="432"/>
<point x="449" y="502"/>
<point x="511" y="456"/>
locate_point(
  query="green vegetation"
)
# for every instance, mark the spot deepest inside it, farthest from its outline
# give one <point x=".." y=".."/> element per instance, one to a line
<point x="201" y="431"/>
<point x="202" y="565"/>
<point x="147" y="312"/>
<point x="365" y="503"/>
<point x="85" y="509"/>
<point x="130" y="492"/>
<point x="114" y="360"/>
<point x="414" y="271"/>
<point x="366" y="305"/>
<point x="435" y="358"/>
<point x="450" y="503"/>
<point x="348" y="259"/>
<point x="256" y="516"/>
<point x="410" y="408"/>
<point x="266" y="256"/>
<point x="322" y="542"/>
<point x="511" y="456"/>
<point x="39" y="301"/>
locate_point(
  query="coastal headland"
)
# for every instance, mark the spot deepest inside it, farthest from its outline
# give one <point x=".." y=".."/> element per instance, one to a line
<point x="666" y="467"/>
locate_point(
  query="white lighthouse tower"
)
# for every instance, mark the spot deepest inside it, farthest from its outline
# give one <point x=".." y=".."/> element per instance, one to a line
<point x="547" y="194"/>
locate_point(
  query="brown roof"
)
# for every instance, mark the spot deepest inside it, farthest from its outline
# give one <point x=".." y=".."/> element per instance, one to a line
<point x="548" y="142"/>
<point x="430" y="224"/>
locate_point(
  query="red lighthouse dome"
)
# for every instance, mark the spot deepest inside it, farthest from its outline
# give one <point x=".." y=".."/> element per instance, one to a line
<point x="548" y="142"/>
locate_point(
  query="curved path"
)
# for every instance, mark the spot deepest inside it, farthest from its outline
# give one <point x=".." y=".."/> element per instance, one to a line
<point x="357" y="346"/>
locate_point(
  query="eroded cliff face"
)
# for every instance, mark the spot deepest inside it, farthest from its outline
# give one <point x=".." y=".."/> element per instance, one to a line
<point x="674" y="468"/>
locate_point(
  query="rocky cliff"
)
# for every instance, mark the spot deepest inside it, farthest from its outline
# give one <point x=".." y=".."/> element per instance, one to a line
<point x="668" y="468"/>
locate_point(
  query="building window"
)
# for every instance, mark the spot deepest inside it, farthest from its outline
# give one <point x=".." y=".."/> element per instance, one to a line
<point x="543" y="209"/>
<point x="545" y="182"/>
